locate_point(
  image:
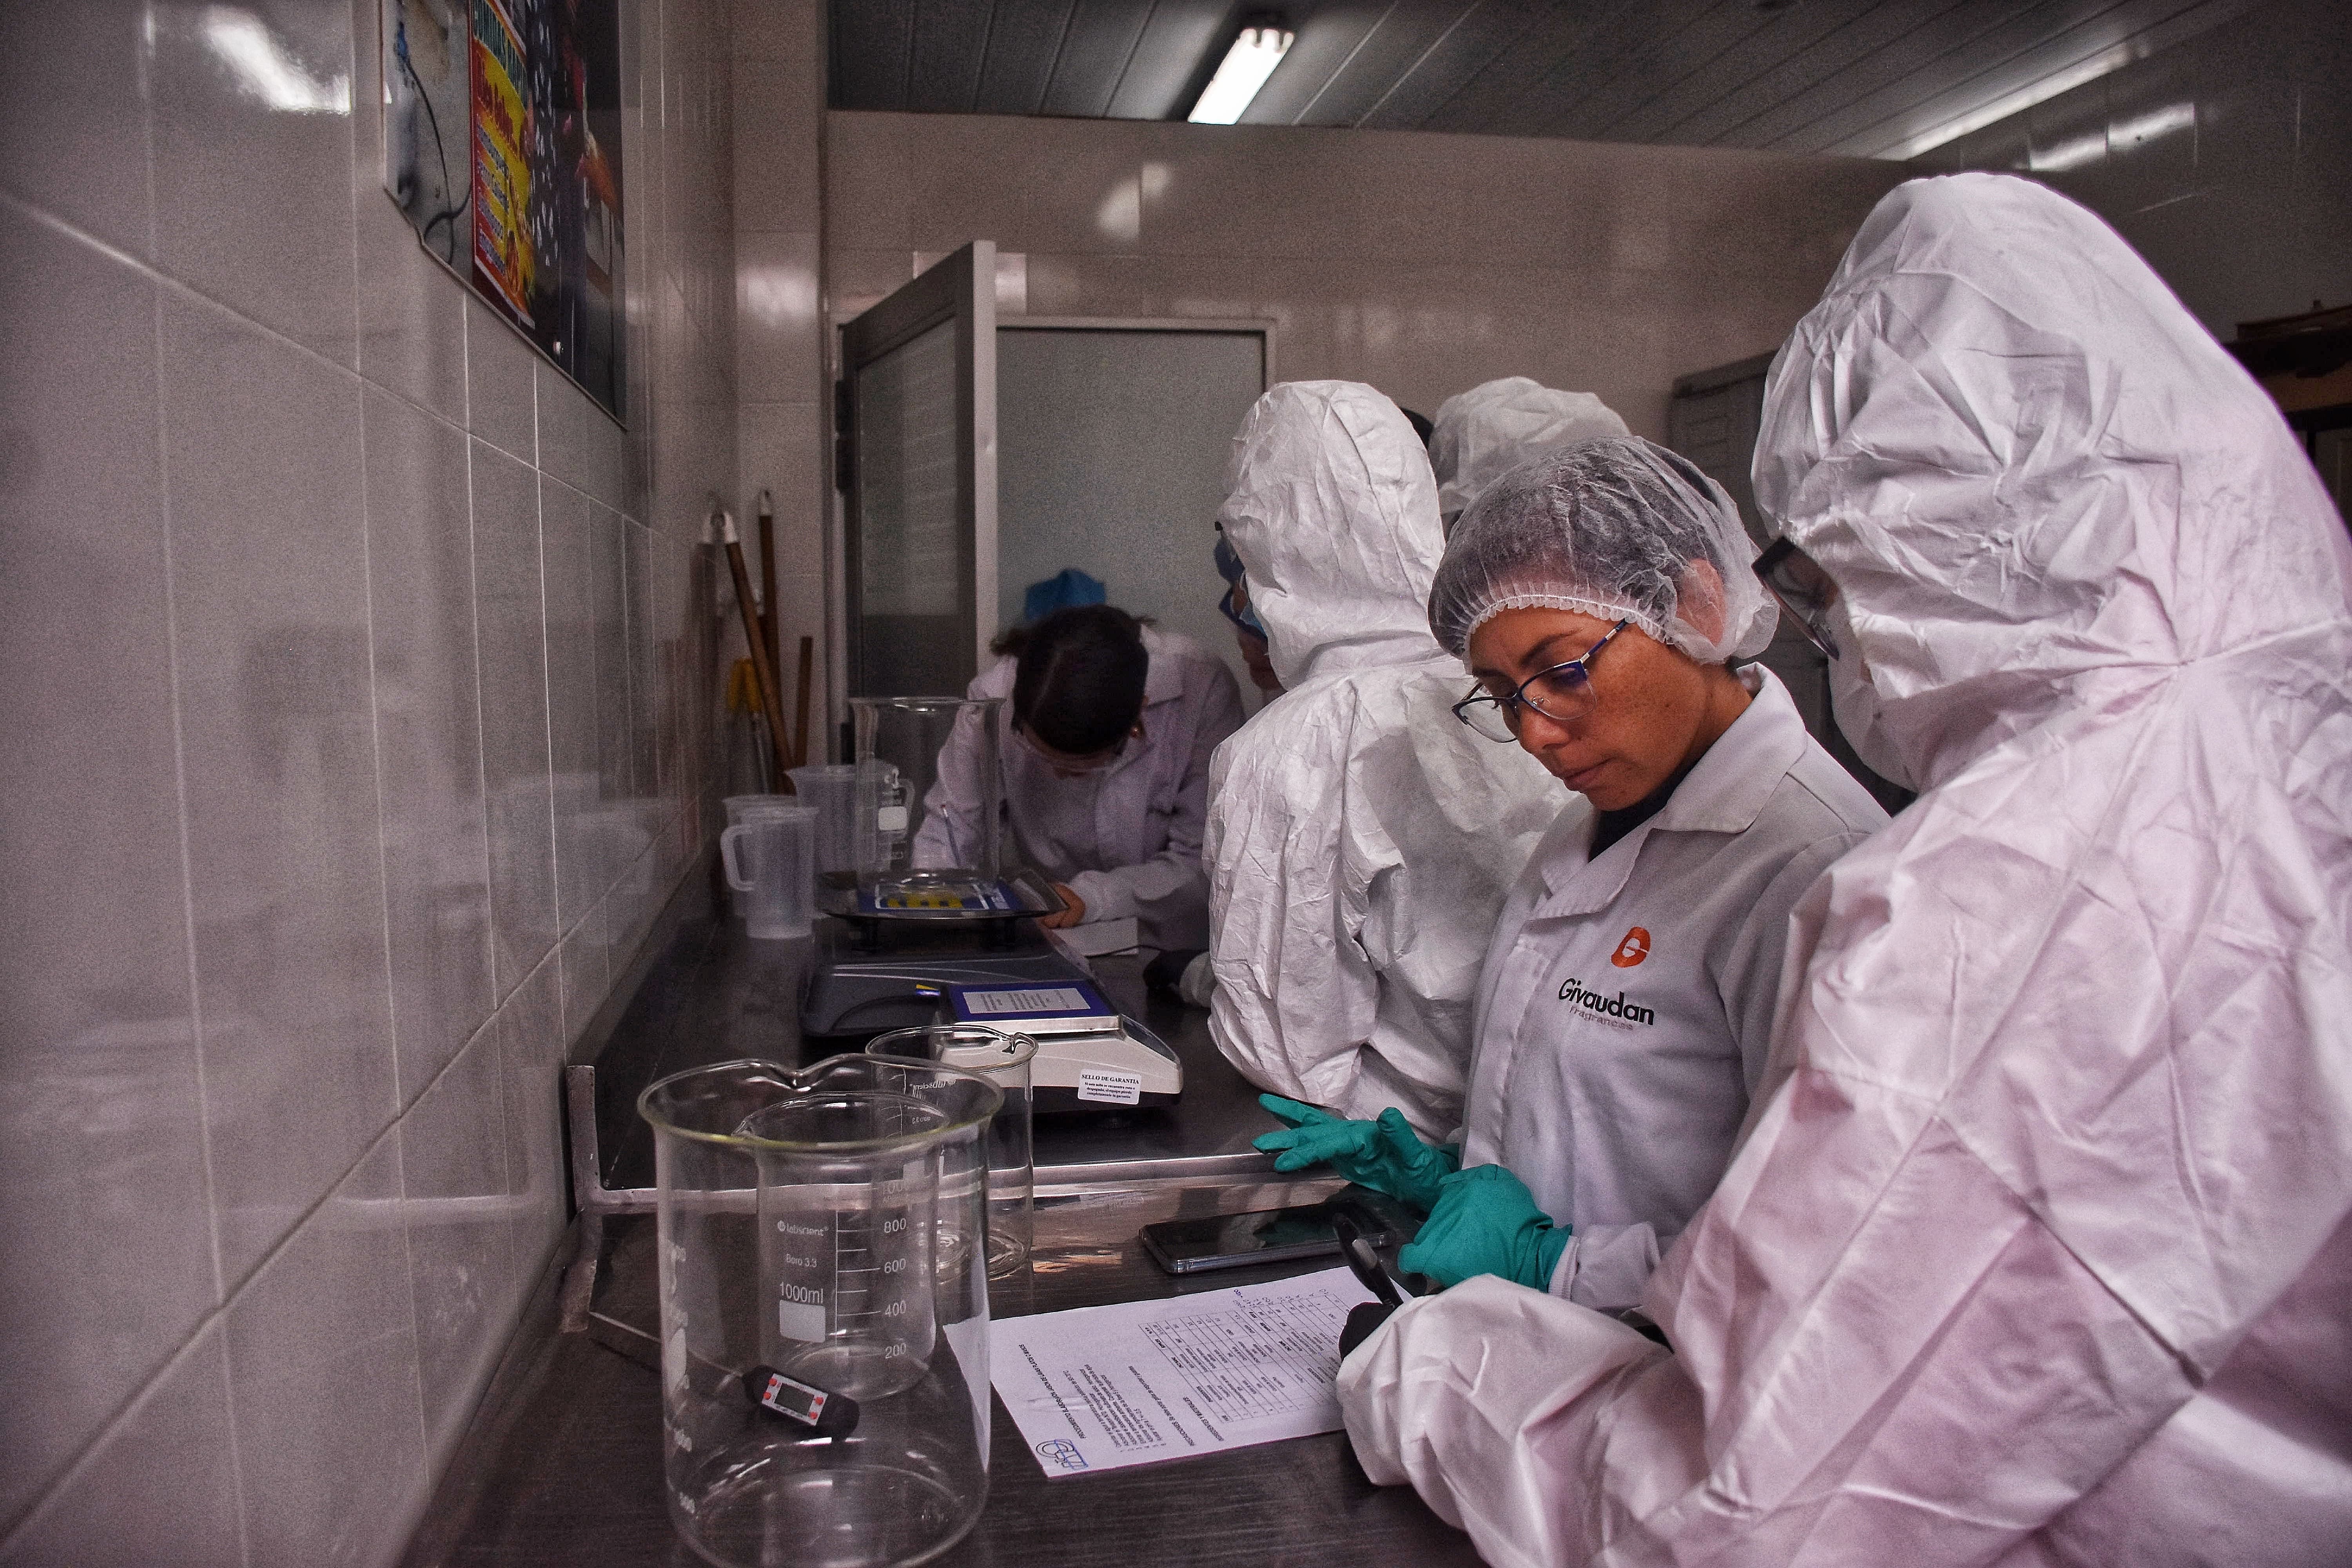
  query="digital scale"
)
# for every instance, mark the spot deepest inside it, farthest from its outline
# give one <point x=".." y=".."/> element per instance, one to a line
<point x="965" y="953"/>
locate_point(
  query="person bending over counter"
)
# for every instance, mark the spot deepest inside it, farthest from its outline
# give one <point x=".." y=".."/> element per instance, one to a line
<point x="2038" y="1246"/>
<point x="1360" y="842"/>
<point x="1105" y="748"/>
<point x="1625" y="1004"/>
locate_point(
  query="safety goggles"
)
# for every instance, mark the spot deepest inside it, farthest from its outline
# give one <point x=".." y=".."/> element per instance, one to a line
<point x="1562" y="693"/>
<point x="1065" y="765"/>
<point x="1235" y="606"/>
<point x="1804" y="589"/>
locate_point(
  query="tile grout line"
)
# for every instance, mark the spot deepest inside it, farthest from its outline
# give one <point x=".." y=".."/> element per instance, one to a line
<point x="34" y="213"/>
<point x="219" y="1315"/>
<point x="481" y="723"/>
<point x="146" y="56"/>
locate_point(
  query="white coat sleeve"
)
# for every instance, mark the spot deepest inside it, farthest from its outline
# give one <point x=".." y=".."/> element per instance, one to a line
<point x="951" y="825"/>
<point x="1167" y="893"/>
<point x="1295" y="994"/>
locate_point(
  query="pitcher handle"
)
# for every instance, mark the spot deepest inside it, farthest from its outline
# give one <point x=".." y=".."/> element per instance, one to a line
<point x="735" y="877"/>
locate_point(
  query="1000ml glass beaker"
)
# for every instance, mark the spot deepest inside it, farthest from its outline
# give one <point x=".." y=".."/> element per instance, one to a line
<point x="824" y="1309"/>
<point x="926" y="843"/>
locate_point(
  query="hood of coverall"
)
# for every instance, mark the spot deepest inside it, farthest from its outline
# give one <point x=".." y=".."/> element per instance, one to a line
<point x="2035" y="478"/>
<point x="1483" y="433"/>
<point x="1330" y="505"/>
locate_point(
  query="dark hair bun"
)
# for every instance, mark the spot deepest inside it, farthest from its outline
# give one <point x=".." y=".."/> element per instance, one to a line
<point x="1080" y="685"/>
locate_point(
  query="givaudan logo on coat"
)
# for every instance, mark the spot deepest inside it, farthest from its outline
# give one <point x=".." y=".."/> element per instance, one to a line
<point x="1632" y="950"/>
<point x="1573" y="993"/>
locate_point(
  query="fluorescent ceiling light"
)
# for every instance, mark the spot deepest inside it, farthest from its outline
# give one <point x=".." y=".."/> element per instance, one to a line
<point x="1245" y="67"/>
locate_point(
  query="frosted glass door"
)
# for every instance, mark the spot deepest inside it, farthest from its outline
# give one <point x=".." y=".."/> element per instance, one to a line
<point x="921" y="556"/>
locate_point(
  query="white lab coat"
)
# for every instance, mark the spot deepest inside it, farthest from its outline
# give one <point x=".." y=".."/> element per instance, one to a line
<point x="1126" y="839"/>
<point x="2040" y="1246"/>
<point x="1625" y="1007"/>
<point x="1360" y="840"/>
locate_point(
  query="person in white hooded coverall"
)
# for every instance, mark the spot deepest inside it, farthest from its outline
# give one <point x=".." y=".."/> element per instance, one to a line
<point x="1359" y="840"/>
<point x="2039" y="1250"/>
<point x="1482" y="434"/>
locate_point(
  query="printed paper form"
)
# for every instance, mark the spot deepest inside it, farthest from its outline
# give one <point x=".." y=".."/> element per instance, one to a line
<point x="1098" y="1388"/>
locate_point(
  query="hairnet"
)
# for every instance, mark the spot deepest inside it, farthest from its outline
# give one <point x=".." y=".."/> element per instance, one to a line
<point x="1482" y="434"/>
<point x="1616" y="528"/>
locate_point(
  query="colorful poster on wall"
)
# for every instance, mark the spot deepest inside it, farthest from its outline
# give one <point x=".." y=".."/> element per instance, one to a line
<point x="539" y="209"/>
<point x="502" y="249"/>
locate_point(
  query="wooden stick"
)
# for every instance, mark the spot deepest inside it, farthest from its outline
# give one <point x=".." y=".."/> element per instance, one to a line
<point x="768" y="584"/>
<point x="759" y="665"/>
<point x="800" y="705"/>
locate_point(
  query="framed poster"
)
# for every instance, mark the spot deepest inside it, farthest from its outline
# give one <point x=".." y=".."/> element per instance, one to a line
<point x="503" y="148"/>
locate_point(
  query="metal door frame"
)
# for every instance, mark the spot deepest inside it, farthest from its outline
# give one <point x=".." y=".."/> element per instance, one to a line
<point x="962" y="288"/>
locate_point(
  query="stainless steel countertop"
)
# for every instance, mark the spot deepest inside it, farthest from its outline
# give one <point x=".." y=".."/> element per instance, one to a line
<point x="714" y="995"/>
<point x="561" y="1464"/>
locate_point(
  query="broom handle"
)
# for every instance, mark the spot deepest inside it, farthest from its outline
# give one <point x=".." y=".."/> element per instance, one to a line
<point x="760" y="667"/>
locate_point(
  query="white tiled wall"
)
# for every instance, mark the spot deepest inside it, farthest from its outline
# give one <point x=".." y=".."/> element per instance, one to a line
<point x="781" y="377"/>
<point x="2226" y="162"/>
<point x="1421" y="263"/>
<point x="360" y="676"/>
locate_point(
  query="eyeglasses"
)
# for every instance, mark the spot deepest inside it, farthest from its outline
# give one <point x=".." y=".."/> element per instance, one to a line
<point x="1804" y="590"/>
<point x="1562" y="693"/>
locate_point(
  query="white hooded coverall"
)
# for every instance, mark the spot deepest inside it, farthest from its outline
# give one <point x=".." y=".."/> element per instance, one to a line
<point x="1481" y="434"/>
<point x="2039" y="1252"/>
<point x="1361" y="839"/>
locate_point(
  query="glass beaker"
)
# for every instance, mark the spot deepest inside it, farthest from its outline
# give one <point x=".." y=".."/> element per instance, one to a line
<point x="1011" y="1159"/>
<point x="824" y="1308"/>
<point x="916" y="848"/>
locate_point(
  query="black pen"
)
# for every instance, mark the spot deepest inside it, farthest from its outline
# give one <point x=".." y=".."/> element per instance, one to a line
<point x="1363" y="1262"/>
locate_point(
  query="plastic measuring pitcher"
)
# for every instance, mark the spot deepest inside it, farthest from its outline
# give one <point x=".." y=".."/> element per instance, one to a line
<point x="1012" y="1158"/>
<point x="824" y="1308"/>
<point x="771" y="860"/>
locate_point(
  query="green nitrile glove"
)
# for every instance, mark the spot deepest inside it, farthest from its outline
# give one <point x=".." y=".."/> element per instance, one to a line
<point x="1485" y="1222"/>
<point x="1385" y="1155"/>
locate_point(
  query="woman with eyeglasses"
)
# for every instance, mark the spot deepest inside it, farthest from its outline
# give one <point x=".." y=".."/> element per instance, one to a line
<point x="1105" y="748"/>
<point x="1600" y="596"/>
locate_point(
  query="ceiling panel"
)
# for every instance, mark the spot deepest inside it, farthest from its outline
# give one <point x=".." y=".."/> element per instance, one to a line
<point x="1479" y="36"/>
<point x="945" y="48"/>
<point x="1382" y="56"/>
<point x="1849" y="76"/>
<point x="1025" y="40"/>
<point x="1096" y="48"/>
<point x="1327" y="36"/>
<point x="1872" y="26"/>
<point x="1933" y="47"/>
<point x="869" y="40"/>
<point x="1169" y="67"/>
<point x="1620" y="56"/>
